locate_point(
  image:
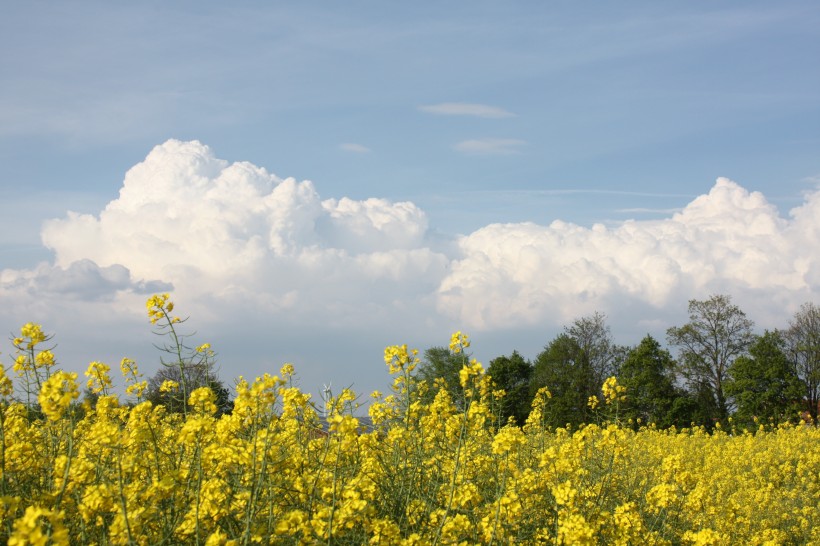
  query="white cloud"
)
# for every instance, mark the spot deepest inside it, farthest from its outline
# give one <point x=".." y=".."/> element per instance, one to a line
<point x="490" y="146"/>
<point x="728" y="240"/>
<point x="466" y="109"/>
<point x="355" y="148"/>
<point x="236" y="232"/>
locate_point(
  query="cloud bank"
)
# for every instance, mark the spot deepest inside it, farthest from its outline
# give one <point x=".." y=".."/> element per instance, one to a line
<point x="235" y="232"/>
<point x="232" y="240"/>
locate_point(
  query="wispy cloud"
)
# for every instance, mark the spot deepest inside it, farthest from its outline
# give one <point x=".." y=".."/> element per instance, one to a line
<point x="645" y="210"/>
<point x="490" y="146"/>
<point x="814" y="180"/>
<point x="355" y="148"/>
<point x="574" y="191"/>
<point x="466" y="109"/>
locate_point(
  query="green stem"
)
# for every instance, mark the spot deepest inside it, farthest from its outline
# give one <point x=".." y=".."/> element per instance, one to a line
<point x="123" y="502"/>
<point x="501" y="494"/>
<point x="456" y="467"/>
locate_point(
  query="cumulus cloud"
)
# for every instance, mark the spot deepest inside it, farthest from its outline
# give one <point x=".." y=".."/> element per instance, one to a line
<point x="237" y="232"/>
<point x="234" y="232"/>
<point x="728" y="240"/>
<point x="490" y="146"/>
<point x="466" y="109"/>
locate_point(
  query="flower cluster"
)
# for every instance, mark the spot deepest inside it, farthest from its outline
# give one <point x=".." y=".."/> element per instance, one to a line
<point x="57" y="393"/>
<point x="613" y="392"/>
<point x="459" y="342"/>
<point x="130" y="371"/>
<point x="398" y="359"/>
<point x="6" y="384"/>
<point x="99" y="380"/>
<point x="160" y="307"/>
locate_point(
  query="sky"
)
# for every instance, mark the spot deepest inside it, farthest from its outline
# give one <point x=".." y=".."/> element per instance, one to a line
<point x="312" y="182"/>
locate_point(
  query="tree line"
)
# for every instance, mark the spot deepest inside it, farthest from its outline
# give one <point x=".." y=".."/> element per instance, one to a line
<point x="721" y="369"/>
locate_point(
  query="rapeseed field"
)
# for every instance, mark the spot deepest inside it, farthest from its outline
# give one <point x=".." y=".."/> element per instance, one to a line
<point x="279" y="469"/>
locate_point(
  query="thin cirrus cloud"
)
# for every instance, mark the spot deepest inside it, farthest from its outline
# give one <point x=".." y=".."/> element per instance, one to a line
<point x="466" y="109"/>
<point x="354" y="148"/>
<point x="646" y="210"/>
<point x="490" y="146"/>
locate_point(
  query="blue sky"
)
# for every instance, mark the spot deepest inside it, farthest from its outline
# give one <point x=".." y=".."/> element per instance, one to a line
<point x="490" y="138"/>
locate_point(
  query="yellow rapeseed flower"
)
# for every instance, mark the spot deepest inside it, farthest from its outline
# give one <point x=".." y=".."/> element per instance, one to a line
<point x="203" y="400"/>
<point x="57" y="393"/>
<point x="398" y="359"/>
<point x="32" y="332"/>
<point x="473" y="369"/>
<point x="159" y="306"/>
<point x="6" y="386"/>
<point x="613" y="391"/>
<point x="39" y="526"/>
<point x="169" y="385"/>
<point x="459" y="342"/>
<point x="44" y="359"/>
<point x="99" y="381"/>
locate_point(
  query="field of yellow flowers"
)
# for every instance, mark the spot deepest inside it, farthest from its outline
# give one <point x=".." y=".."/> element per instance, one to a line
<point x="275" y="470"/>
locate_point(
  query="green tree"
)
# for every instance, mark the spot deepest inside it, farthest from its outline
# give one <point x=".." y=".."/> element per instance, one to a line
<point x="764" y="384"/>
<point x="557" y="367"/>
<point x="573" y="367"/>
<point x="803" y="348"/>
<point x="648" y="373"/>
<point x="597" y="352"/>
<point x="512" y="373"/>
<point x="717" y="333"/>
<point x="440" y="366"/>
<point x="698" y="406"/>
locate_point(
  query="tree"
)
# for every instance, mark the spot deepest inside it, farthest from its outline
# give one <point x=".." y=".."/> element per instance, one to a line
<point x="803" y="348"/>
<point x="648" y="373"/>
<point x="698" y="406"/>
<point x="597" y="351"/>
<point x="764" y="384"/>
<point x="512" y="373"/>
<point x="717" y="333"/>
<point x="557" y="368"/>
<point x="595" y="360"/>
<point x="440" y="364"/>
<point x="574" y="366"/>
